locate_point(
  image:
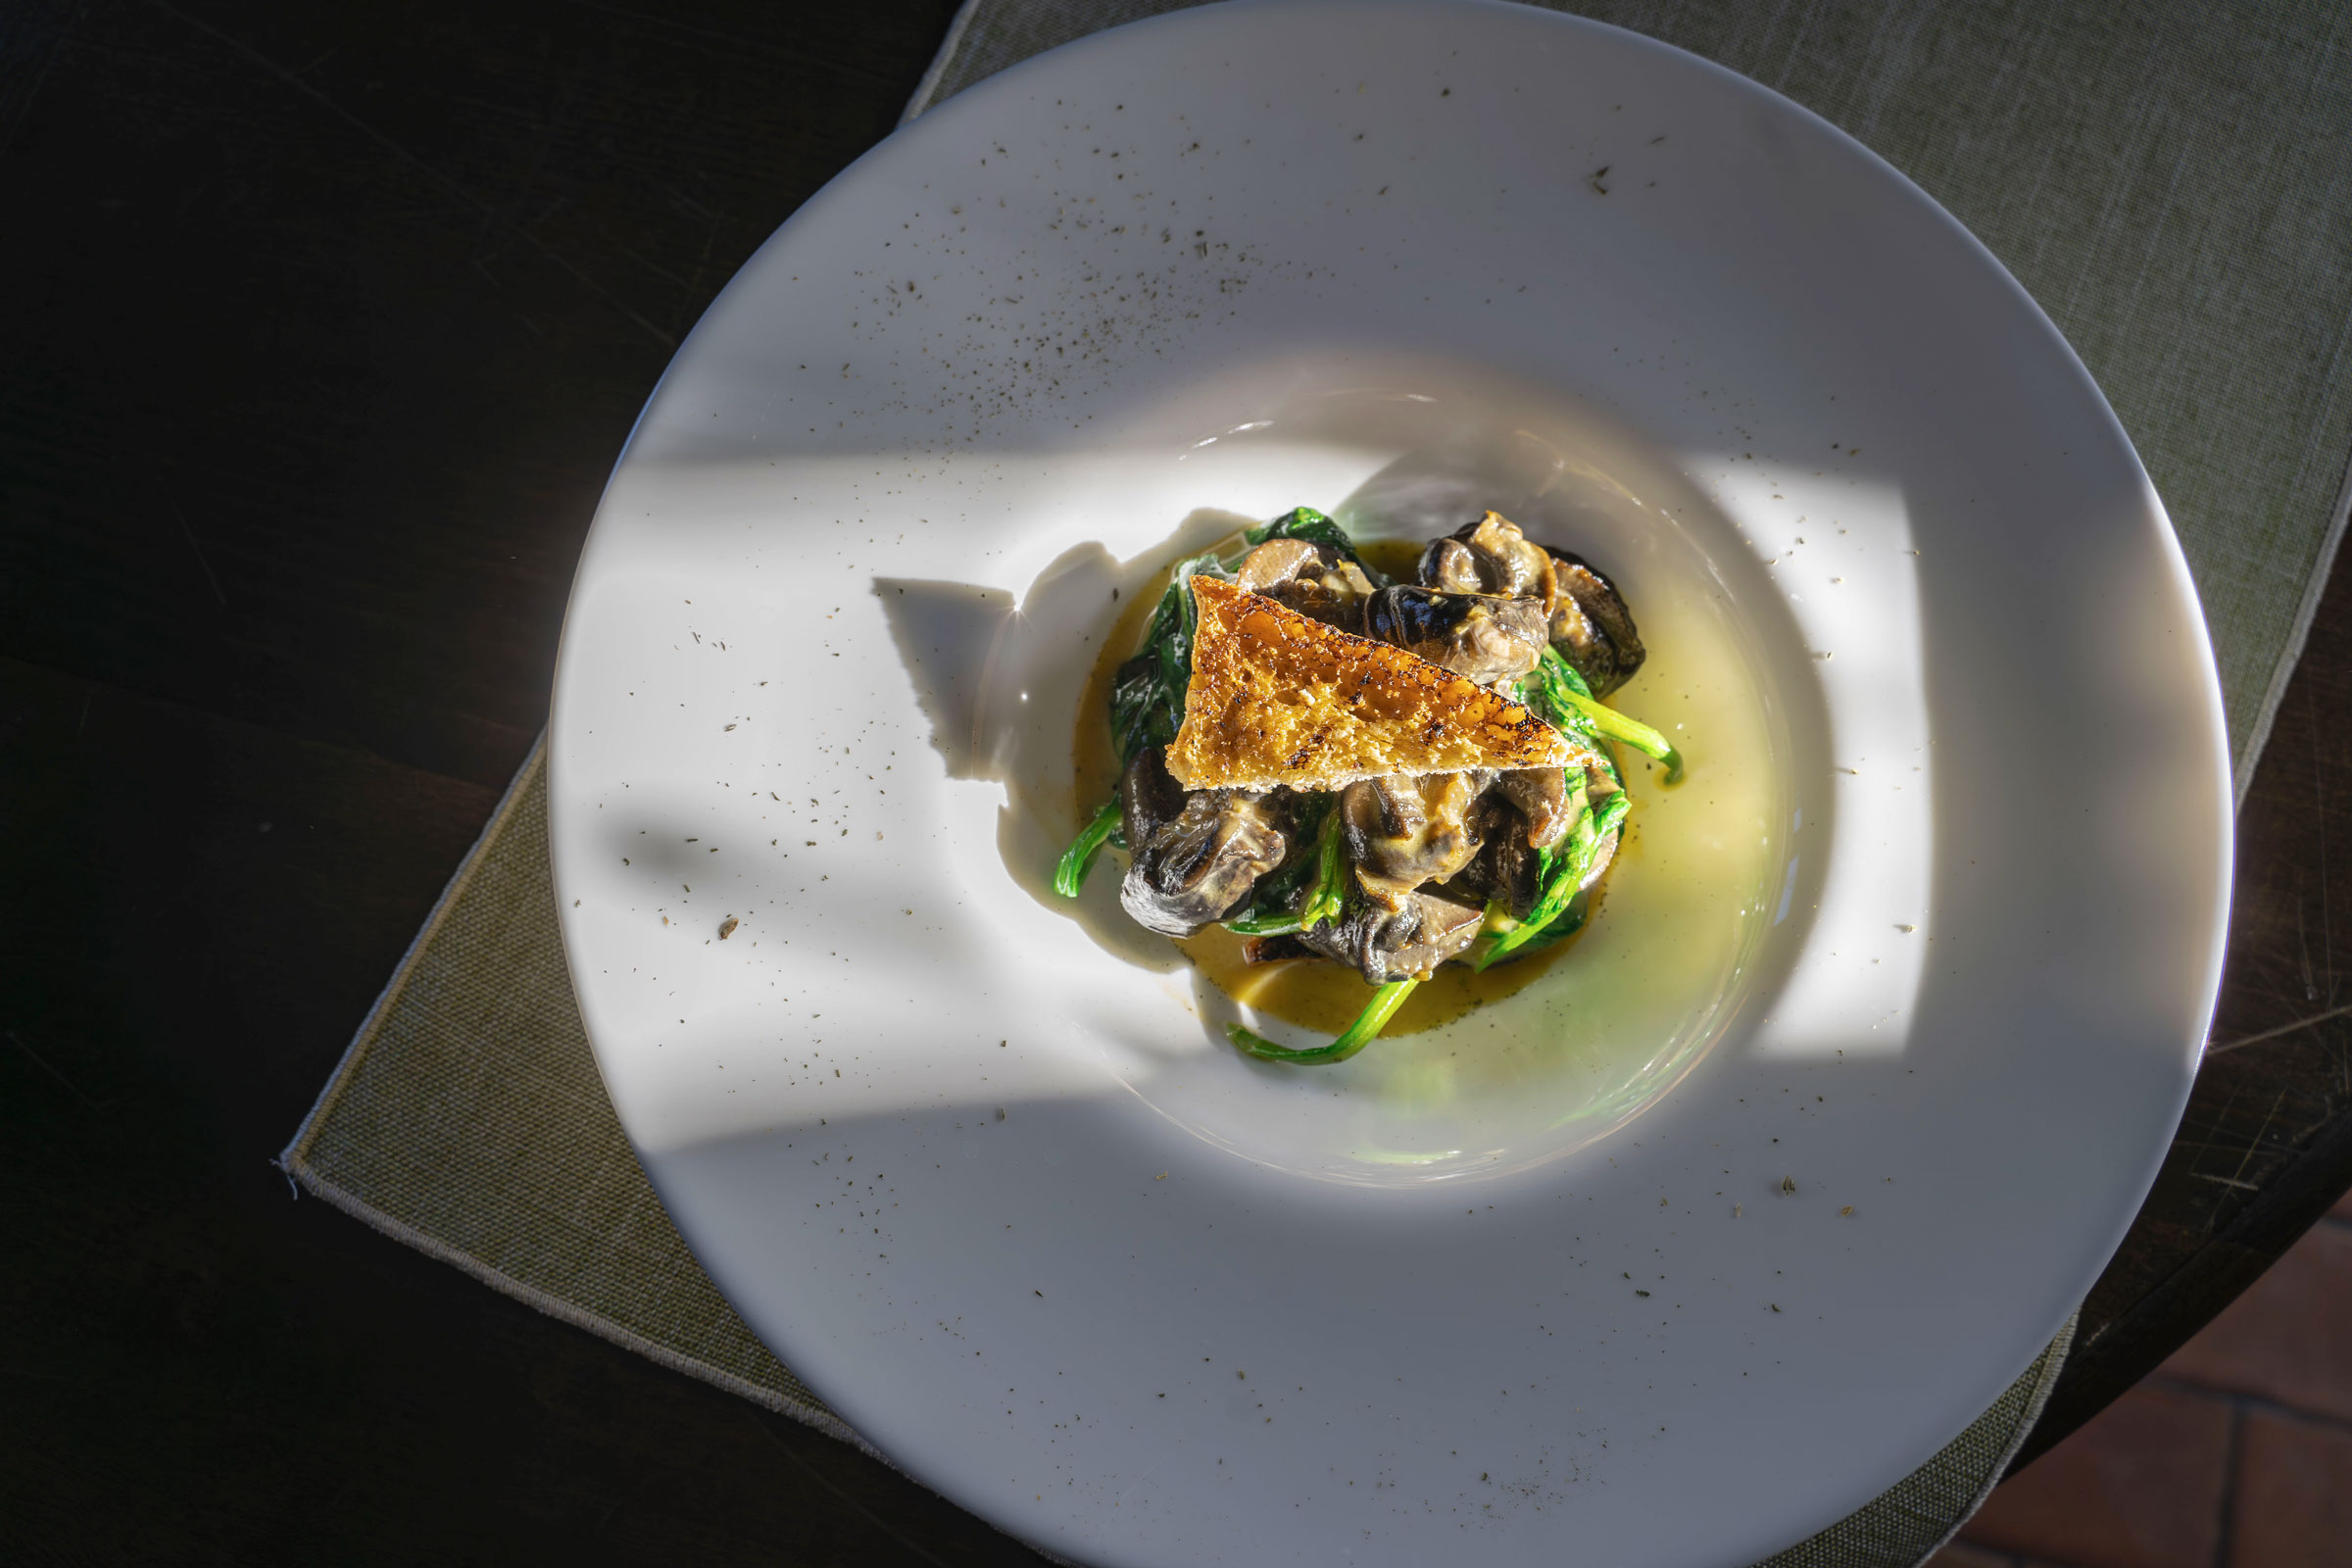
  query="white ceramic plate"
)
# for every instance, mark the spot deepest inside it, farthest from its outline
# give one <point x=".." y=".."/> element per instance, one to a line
<point x="1904" y="987"/>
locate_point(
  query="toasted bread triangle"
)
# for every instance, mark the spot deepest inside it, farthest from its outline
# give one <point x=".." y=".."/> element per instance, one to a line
<point x="1280" y="699"/>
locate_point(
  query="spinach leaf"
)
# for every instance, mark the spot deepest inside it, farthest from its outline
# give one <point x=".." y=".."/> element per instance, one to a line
<point x="1079" y="859"/>
<point x="1306" y="890"/>
<point x="1147" y="696"/>
<point x="1569" y="704"/>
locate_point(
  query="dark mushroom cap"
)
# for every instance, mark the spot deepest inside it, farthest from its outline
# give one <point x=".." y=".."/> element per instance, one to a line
<point x="1591" y="627"/>
<point x="1281" y="560"/>
<point x="1485" y="637"/>
<point x="1404" y="944"/>
<point x="1507" y="562"/>
<point x="1404" y="830"/>
<point x="1447" y="564"/>
<point x="1196" y="857"/>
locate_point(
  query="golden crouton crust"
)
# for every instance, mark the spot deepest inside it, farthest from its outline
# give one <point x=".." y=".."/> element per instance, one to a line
<point x="1277" y="698"/>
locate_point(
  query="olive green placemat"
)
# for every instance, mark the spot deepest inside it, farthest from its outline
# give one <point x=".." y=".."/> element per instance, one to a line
<point x="2170" y="181"/>
<point x="469" y="1121"/>
<point x="2175" y="187"/>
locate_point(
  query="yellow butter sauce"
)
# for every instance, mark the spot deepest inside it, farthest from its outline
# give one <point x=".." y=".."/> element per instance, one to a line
<point x="1314" y="994"/>
<point x="1397" y="559"/>
<point x="1325" y="998"/>
<point x="1095" y="775"/>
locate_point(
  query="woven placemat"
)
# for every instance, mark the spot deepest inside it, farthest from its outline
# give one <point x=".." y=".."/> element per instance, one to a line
<point x="2175" y="188"/>
<point x="468" y="1121"/>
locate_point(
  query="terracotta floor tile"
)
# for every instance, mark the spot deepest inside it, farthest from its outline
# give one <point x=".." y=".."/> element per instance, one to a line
<point x="2139" y="1486"/>
<point x="2289" y="1338"/>
<point x="2293" y="1507"/>
<point x="2343" y="1207"/>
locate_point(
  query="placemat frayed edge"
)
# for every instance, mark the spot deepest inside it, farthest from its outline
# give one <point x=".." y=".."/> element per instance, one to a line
<point x="923" y="89"/>
<point x="2054" y="1359"/>
<point x="2297" y="634"/>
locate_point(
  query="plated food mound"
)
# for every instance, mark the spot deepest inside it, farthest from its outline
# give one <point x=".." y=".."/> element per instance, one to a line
<point x="1389" y="776"/>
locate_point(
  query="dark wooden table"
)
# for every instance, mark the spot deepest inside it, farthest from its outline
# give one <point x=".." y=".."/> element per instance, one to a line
<point x="319" y="326"/>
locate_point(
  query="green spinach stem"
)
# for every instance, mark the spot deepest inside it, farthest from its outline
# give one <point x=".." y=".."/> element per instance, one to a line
<point x="1077" y="860"/>
<point x="1362" y="1033"/>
